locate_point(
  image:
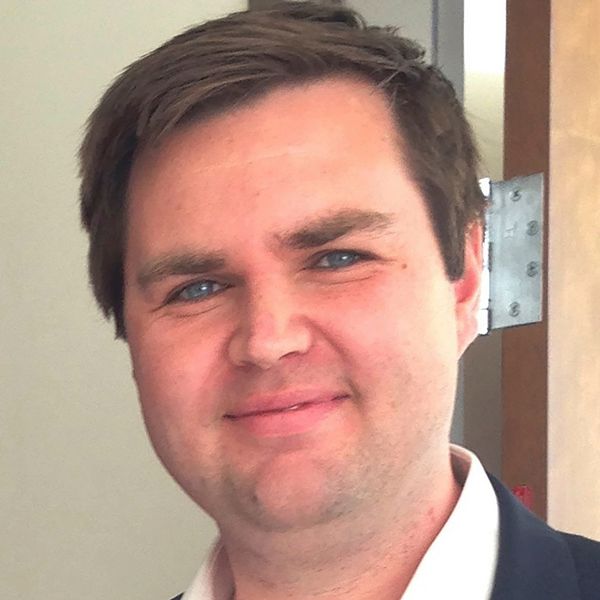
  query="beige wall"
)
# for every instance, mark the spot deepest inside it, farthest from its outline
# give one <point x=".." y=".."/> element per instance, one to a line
<point x="574" y="270"/>
<point x="86" y="508"/>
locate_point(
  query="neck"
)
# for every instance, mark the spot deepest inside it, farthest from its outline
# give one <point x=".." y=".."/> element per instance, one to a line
<point x="372" y="556"/>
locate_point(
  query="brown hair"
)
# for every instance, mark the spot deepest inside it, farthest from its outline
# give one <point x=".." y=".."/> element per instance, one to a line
<point x="220" y="64"/>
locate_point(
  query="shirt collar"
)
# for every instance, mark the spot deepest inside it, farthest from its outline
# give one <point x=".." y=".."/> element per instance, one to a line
<point x="214" y="580"/>
<point x="461" y="561"/>
<point x="444" y="572"/>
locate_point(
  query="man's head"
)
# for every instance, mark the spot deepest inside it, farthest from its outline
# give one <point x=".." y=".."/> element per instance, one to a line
<point x="215" y="67"/>
<point x="295" y="260"/>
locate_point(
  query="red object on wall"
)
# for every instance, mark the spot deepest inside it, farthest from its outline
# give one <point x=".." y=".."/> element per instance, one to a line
<point x="525" y="494"/>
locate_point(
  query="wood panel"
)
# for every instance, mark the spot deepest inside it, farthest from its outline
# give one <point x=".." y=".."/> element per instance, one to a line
<point x="526" y="151"/>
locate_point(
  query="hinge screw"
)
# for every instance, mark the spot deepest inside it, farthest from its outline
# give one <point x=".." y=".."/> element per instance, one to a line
<point x="533" y="228"/>
<point x="515" y="195"/>
<point x="532" y="269"/>
<point x="514" y="309"/>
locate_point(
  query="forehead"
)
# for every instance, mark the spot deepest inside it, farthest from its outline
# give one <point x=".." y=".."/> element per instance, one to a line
<point x="306" y="120"/>
<point x="292" y="154"/>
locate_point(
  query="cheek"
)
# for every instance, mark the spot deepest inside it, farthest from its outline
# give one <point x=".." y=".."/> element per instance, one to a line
<point x="178" y="393"/>
<point x="398" y="339"/>
<point x="174" y="378"/>
<point x="389" y="314"/>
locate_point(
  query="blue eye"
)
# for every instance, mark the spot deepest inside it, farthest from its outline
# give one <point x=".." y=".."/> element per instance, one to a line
<point x="338" y="259"/>
<point x="198" y="291"/>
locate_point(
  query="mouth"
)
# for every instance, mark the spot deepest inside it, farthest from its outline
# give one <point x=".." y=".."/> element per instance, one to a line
<point x="285" y="409"/>
<point x="278" y="417"/>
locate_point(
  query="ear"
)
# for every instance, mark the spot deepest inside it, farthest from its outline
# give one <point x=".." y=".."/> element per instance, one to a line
<point x="467" y="288"/>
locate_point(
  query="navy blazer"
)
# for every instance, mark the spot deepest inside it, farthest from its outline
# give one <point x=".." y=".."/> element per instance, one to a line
<point x="536" y="562"/>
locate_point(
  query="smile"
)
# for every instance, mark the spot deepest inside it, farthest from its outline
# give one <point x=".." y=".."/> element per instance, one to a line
<point x="286" y="419"/>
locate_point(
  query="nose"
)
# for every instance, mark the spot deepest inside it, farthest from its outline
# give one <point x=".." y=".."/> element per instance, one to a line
<point x="271" y="327"/>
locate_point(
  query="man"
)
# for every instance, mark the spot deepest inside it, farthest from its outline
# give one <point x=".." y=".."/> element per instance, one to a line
<point x="285" y="224"/>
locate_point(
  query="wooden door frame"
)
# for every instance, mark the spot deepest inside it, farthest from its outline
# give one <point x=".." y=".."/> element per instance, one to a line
<point x="526" y="151"/>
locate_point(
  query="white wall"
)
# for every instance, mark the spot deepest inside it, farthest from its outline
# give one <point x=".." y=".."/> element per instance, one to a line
<point x="412" y="17"/>
<point x="484" y="50"/>
<point x="86" y="508"/>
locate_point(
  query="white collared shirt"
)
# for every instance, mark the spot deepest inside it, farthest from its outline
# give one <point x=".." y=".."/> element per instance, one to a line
<point x="459" y="564"/>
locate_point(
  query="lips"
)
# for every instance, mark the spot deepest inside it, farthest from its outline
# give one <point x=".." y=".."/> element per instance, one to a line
<point x="273" y="410"/>
<point x="287" y="414"/>
<point x="281" y="403"/>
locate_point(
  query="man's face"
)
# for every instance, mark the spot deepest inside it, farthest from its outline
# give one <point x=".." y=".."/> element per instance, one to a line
<point x="294" y="337"/>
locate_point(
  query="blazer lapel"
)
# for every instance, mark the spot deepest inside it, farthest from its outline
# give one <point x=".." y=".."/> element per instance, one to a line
<point x="534" y="561"/>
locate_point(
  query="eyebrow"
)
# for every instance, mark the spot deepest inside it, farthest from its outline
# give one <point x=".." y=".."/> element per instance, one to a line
<point x="317" y="232"/>
<point x="184" y="263"/>
<point x="322" y="230"/>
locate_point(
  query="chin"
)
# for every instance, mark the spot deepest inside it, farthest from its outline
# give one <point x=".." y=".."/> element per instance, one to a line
<point x="289" y="495"/>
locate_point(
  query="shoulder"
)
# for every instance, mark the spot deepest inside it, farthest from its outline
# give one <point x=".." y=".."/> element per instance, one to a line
<point x="586" y="556"/>
<point x="536" y="561"/>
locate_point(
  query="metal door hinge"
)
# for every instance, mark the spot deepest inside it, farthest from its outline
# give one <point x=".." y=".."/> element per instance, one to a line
<point x="512" y="285"/>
